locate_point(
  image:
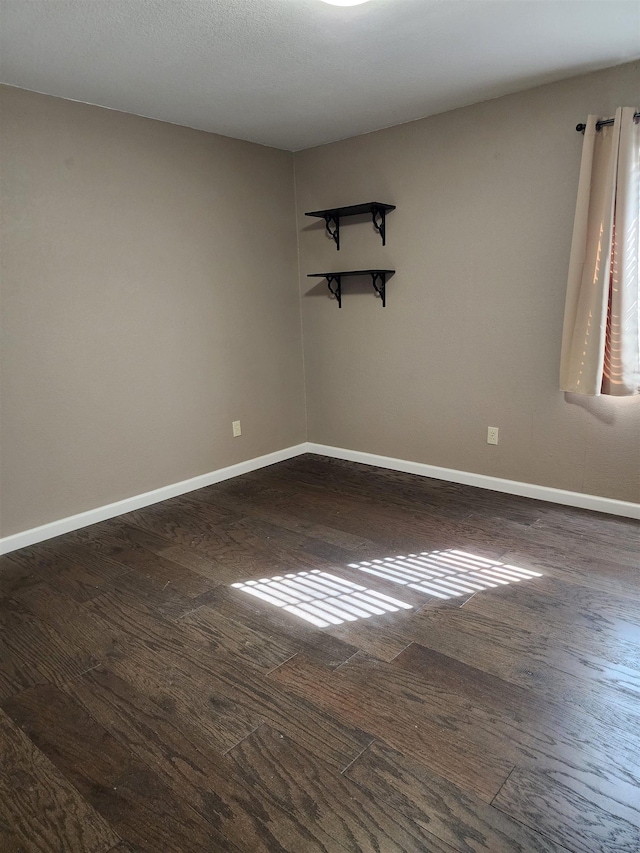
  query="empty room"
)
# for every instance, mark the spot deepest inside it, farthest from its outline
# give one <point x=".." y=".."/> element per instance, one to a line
<point x="320" y="426"/>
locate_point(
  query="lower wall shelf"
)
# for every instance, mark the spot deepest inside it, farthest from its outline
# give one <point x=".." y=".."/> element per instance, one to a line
<point x="334" y="281"/>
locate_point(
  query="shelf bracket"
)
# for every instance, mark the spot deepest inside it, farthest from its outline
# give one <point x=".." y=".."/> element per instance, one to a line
<point x="380" y="289"/>
<point x="332" y="224"/>
<point x="378" y="217"/>
<point x="337" y="290"/>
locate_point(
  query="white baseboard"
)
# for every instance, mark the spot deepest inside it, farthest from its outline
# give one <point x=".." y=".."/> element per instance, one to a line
<point x="483" y="481"/>
<point x="102" y="513"/>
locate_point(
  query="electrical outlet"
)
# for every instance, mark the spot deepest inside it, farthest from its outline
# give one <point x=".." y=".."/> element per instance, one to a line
<point x="492" y="435"/>
<point x="236" y="428"/>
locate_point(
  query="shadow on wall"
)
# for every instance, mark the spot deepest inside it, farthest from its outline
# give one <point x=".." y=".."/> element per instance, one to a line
<point x="357" y="285"/>
<point x="603" y="409"/>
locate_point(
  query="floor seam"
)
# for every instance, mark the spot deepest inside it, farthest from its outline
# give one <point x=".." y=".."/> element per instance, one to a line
<point x="335" y="669"/>
<point x="359" y="755"/>
<point x="274" y="668"/>
<point x="227" y="751"/>
<point x="89" y="669"/>
<point x="503" y="784"/>
<point x="404" y="649"/>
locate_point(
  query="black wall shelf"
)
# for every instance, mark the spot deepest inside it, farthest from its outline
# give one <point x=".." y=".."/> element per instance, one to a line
<point x="332" y="216"/>
<point x="378" y="280"/>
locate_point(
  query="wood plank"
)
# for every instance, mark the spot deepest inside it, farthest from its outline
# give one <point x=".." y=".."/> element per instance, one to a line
<point x="230" y="636"/>
<point x="217" y="512"/>
<point x="179" y="523"/>
<point x="367" y="486"/>
<point x="134" y="548"/>
<point x="184" y="688"/>
<point x="261" y="616"/>
<point x="162" y="659"/>
<point x="380" y="636"/>
<point x="564" y="816"/>
<point x="229" y="699"/>
<point x="563" y="603"/>
<point x="543" y="539"/>
<point x="613" y="531"/>
<point x="329" y="737"/>
<point x="422" y="525"/>
<point x="151" y="817"/>
<point x="114" y="535"/>
<point x="166" y="599"/>
<point x="278" y="549"/>
<point x="597" y="571"/>
<point x="263" y="510"/>
<point x="39" y="809"/>
<point x="160" y="573"/>
<point x="172" y="679"/>
<point x="15" y="576"/>
<point x="81" y="629"/>
<point x="136" y="618"/>
<point x="137" y="803"/>
<point x="452" y="814"/>
<point x="253" y="547"/>
<point x="246" y="813"/>
<point x="9" y="841"/>
<point x="34" y="652"/>
<point x="445" y="752"/>
<point x="202" y="564"/>
<point x="526" y="656"/>
<point x="392" y="528"/>
<point x="308" y="788"/>
<point x="584" y="753"/>
<point x="79" y="574"/>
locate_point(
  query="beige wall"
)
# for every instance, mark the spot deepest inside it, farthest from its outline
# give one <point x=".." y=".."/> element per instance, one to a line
<point x="471" y="333"/>
<point x="149" y="298"/>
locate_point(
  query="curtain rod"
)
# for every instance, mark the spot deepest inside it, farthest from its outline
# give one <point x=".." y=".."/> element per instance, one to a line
<point x="600" y="124"/>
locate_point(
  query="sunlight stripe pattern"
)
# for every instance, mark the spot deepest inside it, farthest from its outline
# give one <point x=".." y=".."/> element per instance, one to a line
<point x="321" y="598"/>
<point x="445" y="574"/>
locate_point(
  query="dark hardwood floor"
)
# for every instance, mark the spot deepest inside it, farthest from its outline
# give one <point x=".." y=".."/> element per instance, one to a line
<point x="324" y="656"/>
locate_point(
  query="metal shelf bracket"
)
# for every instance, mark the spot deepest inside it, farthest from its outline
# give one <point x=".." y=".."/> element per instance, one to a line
<point x="378" y="217"/>
<point x="380" y="289"/>
<point x="332" y="224"/>
<point x="337" y="289"/>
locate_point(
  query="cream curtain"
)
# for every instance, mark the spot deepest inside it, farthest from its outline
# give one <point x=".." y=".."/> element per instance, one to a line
<point x="601" y="335"/>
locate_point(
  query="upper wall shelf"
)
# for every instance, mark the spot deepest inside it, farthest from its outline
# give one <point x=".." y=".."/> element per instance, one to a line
<point x="332" y="216"/>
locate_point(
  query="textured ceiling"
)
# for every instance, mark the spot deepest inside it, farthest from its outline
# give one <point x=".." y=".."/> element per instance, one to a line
<point x="297" y="73"/>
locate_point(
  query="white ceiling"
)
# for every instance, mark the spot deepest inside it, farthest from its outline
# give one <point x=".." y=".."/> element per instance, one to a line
<point x="297" y="73"/>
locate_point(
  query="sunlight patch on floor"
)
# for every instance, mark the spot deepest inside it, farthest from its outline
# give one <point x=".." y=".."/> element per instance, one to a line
<point x="321" y="598"/>
<point x="445" y="574"/>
